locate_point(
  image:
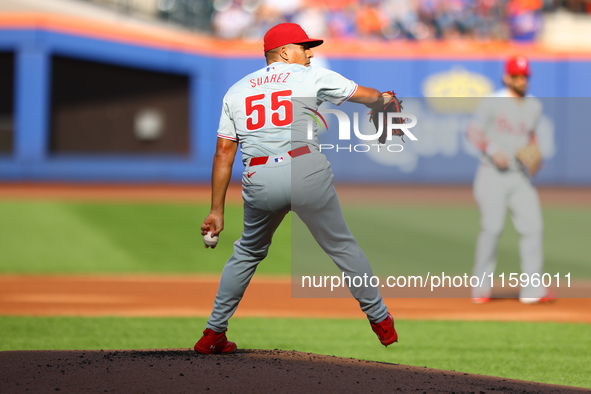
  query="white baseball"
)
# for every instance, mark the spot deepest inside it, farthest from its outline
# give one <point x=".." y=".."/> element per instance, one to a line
<point x="209" y="240"/>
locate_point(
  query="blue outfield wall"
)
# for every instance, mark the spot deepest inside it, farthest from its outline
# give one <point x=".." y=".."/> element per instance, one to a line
<point x="442" y="158"/>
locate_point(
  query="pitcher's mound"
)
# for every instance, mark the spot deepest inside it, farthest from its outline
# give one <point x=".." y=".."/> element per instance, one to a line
<point x="182" y="370"/>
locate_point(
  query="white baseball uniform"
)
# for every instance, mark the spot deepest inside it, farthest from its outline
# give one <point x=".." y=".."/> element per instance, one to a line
<point x="285" y="171"/>
<point x="507" y="124"/>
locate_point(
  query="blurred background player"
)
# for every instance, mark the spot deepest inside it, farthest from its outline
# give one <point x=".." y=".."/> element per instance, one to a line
<point x="285" y="170"/>
<point x="503" y="125"/>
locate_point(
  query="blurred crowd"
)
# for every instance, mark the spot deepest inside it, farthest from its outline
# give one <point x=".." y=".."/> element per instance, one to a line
<point x="517" y="20"/>
<point x="382" y="19"/>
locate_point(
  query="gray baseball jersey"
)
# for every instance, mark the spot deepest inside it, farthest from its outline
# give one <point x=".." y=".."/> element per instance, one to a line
<point x="507" y="125"/>
<point x="257" y="111"/>
<point x="263" y="113"/>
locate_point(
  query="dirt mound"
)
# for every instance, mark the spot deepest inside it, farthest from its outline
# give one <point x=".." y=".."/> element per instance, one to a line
<point x="182" y="370"/>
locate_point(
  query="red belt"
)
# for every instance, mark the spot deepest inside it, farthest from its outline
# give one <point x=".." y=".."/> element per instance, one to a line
<point x="255" y="161"/>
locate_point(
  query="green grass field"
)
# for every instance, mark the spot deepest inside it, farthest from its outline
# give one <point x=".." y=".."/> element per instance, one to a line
<point x="59" y="237"/>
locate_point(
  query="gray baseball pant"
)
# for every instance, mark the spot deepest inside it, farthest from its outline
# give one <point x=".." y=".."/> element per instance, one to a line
<point x="304" y="185"/>
<point x="495" y="192"/>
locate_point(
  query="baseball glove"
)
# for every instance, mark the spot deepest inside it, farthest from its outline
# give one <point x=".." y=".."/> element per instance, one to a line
<point x="530" y="158"/>
<point x="394" y="105"/>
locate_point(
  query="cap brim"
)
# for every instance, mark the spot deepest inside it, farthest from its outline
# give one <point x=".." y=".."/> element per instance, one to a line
<point x="311" y="42"/>
<point x="516" y="74"/>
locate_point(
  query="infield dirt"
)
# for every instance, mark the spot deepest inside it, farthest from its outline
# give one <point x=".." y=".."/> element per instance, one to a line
<point x="247" y="371"/>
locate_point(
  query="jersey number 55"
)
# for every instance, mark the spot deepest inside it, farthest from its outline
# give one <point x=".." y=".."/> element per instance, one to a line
<point x="256" y="112"/>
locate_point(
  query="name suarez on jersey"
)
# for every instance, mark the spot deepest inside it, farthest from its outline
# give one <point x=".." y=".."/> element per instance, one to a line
<point x="273" y="78"/>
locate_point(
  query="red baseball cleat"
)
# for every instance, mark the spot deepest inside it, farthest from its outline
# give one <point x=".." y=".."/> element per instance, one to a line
<point x="550" y="296"/>
<point x="481" y="300"/>
<point x="385" y="331"/>
<point x="214" y="343"/>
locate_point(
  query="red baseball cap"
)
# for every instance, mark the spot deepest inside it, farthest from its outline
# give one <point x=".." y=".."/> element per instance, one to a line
<point x="288" y="33"/>
<point x="517" y="65"/>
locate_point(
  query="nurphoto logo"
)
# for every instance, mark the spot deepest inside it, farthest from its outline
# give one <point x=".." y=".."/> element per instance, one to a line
<point x="344" y="124"/>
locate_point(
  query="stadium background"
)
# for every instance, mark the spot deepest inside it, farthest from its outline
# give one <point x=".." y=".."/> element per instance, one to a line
<point x="90" y="100"/>
<point x="101" y="92"/>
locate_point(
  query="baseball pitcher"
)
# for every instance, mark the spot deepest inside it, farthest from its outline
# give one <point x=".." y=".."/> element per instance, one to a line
<point x="284" y="171"/>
